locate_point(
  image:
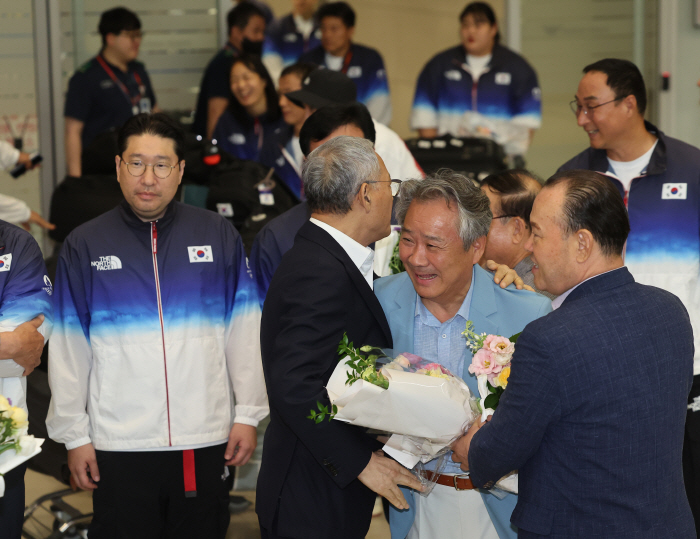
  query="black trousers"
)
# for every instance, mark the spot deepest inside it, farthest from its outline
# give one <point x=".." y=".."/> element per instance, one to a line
<point x="691" y="455"/>
<point x="141" y="494"/>
<point x="12" y="504"/>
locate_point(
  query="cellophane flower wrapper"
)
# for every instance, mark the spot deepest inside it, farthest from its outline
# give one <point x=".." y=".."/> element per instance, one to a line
<point x="424" y="412"/>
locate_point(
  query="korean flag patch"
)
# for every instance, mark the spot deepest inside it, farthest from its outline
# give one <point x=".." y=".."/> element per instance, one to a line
<point x="200" y="253"/>
<point x="5" y="262"/>
<point x="674" y="191"/>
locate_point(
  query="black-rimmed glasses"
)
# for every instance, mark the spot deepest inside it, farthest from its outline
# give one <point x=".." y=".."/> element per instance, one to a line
<point x="576" y="107"/>
<point x="395" y="185"/>
<point x="138" y="168"/>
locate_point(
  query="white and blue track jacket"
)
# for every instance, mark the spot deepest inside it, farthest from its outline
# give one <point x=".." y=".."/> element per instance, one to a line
<point x="663" y="203"/>
<point x="25" y="293"/>
<point x="157" y="328"/>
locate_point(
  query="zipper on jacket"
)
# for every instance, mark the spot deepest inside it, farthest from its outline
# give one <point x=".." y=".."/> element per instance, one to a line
<point x="154" y="250"/>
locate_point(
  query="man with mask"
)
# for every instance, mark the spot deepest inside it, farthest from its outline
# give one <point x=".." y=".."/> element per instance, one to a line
<point x="246" y="32"/>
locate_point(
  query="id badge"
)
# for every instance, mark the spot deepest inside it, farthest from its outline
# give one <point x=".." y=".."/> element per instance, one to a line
<point x="145" y="104"/>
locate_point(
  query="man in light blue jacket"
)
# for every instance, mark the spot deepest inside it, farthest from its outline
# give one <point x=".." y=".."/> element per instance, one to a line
<point x="446" y="219"/>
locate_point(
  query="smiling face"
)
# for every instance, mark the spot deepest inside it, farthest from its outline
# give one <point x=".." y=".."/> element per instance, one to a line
<point x="335" y="36"/>
<point x="433" y="253"/>
<point x="247" y="86"/>
<point x="553" y="251"/>
<point x="293" y="114"/>
<point x="605" y="125"/>
<point x="478" y="35"/>
<point x="147" y="194"/>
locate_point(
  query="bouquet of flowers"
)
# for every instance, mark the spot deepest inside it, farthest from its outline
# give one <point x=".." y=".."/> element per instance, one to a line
<point x="422" y="404"/>
<point x="16" y="446"/>
<point x="491" y="365"/>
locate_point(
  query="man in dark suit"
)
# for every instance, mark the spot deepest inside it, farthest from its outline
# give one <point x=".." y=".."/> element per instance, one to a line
<point x="320" y="480"/>
<point x="593" y="415"/>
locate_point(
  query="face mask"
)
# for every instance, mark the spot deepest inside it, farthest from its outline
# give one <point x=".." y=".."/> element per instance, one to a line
<point x="252" y="47"/>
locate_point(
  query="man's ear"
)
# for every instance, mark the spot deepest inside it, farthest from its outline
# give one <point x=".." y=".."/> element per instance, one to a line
<point x="630" y="104"/>
<point x="364" y="197"/>
<point x="479" y="246"/>
<point x="584" y="245"/>
<point x="519" y="229"/>
<point x="117" y="160"/>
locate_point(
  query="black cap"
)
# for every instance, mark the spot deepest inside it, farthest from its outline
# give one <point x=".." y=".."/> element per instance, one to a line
<point x="325" y="87"/>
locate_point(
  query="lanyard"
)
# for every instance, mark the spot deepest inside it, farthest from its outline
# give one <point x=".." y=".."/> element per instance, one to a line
<point x="258" y="130"/>
<point x="346" y="62"/>
<point x="133" y="101"/>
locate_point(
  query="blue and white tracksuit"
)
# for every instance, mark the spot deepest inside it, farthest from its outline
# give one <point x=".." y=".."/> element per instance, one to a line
<point x="157" y="328"/>
<point x="25" y="293"/>
<point x="366" y="69"/>
<point x="284" y="44"/>
<point x="663" y="203"/>
<point x="503" y="103"/>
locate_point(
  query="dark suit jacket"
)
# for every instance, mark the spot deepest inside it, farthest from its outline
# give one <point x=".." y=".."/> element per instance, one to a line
<point x="308" y="484"/>
<point x="593" y="416"/>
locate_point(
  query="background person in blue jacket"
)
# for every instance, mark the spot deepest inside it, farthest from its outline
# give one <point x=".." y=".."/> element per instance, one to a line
<point x="26" y="320"/>
<point x="157" y="333"/>
<point x="291" y="36"/>
<point x="253" y="113"/>
<point x="284" y="153"/>
<point x="479" y="88"/>
<point x="246" y="31"/>
<point x="362" y="64"/>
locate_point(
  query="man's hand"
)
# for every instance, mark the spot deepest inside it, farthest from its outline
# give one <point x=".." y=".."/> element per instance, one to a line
<point x="241" y="443"/>
<point x="383" y="475"/>
<point x="506" y="276"/>
<point x="24" y="344"/>
<point x="26" y="160"/>
<point x="34" y="217"/>
<point x="82" y="463"/>
<point x="460" y="447"/>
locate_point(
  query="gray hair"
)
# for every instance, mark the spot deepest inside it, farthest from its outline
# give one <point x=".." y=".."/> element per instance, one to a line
<point x="333" y="173"/>
<point x="473" y="205"/>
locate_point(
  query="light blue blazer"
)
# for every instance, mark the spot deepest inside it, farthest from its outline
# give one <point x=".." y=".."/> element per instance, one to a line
<point x="493" y="310"/>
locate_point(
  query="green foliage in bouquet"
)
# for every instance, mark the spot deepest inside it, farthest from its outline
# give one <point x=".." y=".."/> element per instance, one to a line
<point x="363" y="366"/>
<point x="395" y="264"/>
<point x="362" y="362"/>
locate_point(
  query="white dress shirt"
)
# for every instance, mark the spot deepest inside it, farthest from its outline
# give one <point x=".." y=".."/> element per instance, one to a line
<point x="361" y="256"/>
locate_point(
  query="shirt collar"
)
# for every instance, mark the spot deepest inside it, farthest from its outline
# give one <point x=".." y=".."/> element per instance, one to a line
<point x="556" y="302"/>
<point x="361" y="256"/>
<point x="427" y="317"/>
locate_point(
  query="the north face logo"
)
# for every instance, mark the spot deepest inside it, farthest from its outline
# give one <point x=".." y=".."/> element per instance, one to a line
<point x="107" y="263"/>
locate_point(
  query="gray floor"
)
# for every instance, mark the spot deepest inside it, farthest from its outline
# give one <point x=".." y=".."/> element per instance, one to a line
<point x="243" y="525"/>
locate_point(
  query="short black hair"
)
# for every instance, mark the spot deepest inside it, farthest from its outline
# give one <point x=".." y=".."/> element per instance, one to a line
<point x="517" y="190"/>
<point x="240" y="15"/>
<point x="329" y="118"/>
<point x="254" y="63"/>
<point x="342" y="10"/>
<point x="159" y="125"/>
<point x="481" y="10"/>
<point x="115" y="21"/>
<point x="624" y="78"/>
<point x="300" y="69"/>
<point x="593" y="203"/>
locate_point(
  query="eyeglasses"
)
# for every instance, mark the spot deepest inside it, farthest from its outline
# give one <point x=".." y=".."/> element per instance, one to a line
<point x="161" y="170"/>
<point x="576" y="108"/>
<point x="132" y="34"/>
<point x="395" y="185"/>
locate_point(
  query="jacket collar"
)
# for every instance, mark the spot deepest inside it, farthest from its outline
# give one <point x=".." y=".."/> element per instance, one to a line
<point x="600" y="284"/>
<point x="598" y="159"/>
<point x="132" y="220"/>
<point x="319" y="236"/>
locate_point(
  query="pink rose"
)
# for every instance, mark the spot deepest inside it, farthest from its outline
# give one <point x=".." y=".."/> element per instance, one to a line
<point x="501" y="347"/>
<point x="484" y="362"/>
